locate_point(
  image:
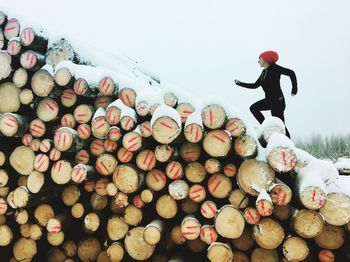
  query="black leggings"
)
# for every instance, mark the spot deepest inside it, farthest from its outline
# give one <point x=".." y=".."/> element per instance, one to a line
<point x="277" y="109"/>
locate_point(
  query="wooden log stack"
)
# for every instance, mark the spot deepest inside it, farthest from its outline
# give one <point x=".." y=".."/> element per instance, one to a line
<point x="92" y="171"/>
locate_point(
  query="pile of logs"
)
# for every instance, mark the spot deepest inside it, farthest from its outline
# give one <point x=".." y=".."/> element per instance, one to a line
<point x="91" y="171"/>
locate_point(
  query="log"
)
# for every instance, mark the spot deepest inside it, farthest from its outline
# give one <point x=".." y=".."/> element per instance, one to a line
<point x="114" y="134"/>
<point x="132" y="215"/>
<point x="43" y="213"/>
<point x="27" y="139"/>
<point x="264" y="255"/>
<point x="63" y="76"/>
<point x="166" y="207"/>
<point x="20" y="77"/>
<point x="9" y="95"/>
<point x="70" y="248"/>
<point x="46" y="145"/>
<point x="47" y="110"/>
<point x="213" y="116"/>
<point x="26" y="96"/>
<point x="245" y="242"/>
<point x="32" y="60"/>
<point x="280" y="193"/>
<point x="229" y="222"/>
<point x="70" y="195"/>
<point x="331" y="237"/>
<point x="178" y="189"/>
<point x="82" y="88"/>
<point x="2" y="38"/>
<point x="282" y="159"/>
<point x="236" y="127"/>
<point x="146" y="160"/>
<point x="3" y="19"/>
<point x="219" y="186"/>
<point x="66" y="139"/>
<point x="115" y="252"/>
<point x="282" y="213"/>
<point x="4" y="178"/>
<point x="208" y="209"/>
<point x="254" y="172"/>
<point x="164" y="153"/>
<point x="268" y="233"/>
<point x="217" y="143"/>
<point x="239" y="199"/>
<point x="212" y="165"/>
<point x="197" y="193"/>
<point x="59" y="51"/>
<point x="153" y="232"/>
<point x="58" y="223"/>
<point x="6" y="235"/>
<point x="184" y="109"/>
<point x="35" y="232"/>
<point x="311" y="190"/>
<point x="83" y="113"/>
<point x="128" y="96"/>
<point x="24" y="249"/>
<point x="295" y="249"/>
<point x="336" y="210"/>
<point x="176" y="236"/>
<point x="220" y="252"/>
<point x="13" y="125"/>
<point x="68" y="120"/>
<point x="208" y="234"/>
<point x="61" y="172"/>
<point x="35" y="182"/>
<point x="136" y="246"/>
<point x="42" y="81"/>
<point x="22" y="160"/>
<point x="35" y="145"/>
<point x="97" y="147"/>
<point x="155" y="180"/>
<point x="107" y="86"/>
<point x="245" y="146"/>
<point x="84" y="131"/>
<point x="132" y="141"/>
<point x="41" y="162"/>
<point x="91" y="222"/>
<point x="124" y="156"/>
<point x="88" y="249"/>
<point x="308" y="223"/>
<point x="190" y="228"/>
<point x="195" y="172"/>
<point x="126" y="178"/>
<point x="77" y="210"/>
<point x="14" y="47"/>
<point x="165" y="130"/>
<point x="68" y="98"/>
<point x="170" y="99"/>
<point x="264" y="204"/>
<point x="31" y="40"/>
<point x="12" y="28"/>
<point x="326" y="256"/>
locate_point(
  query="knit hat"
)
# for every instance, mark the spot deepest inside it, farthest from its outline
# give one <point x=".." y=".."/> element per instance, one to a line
<point x="269" y="56"/>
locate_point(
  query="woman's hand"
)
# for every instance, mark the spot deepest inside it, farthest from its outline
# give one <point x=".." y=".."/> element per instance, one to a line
<point x="237" y="82"/>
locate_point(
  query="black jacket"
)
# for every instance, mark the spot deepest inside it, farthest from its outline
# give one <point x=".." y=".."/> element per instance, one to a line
<point x="270" y="81"/>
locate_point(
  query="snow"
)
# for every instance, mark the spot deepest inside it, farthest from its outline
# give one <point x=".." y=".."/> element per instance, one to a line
<point x="164" y="110"/>
<point x="279" y="140"/>
<point x="48" y="68"/>
<point x="124" y="110"/>
<point x="195" y="118"/>
<point x="99" y="112"/>
<point x="309" y="176"/>
<point x="270" y="124"/>
<point x="343" y="165"/>
<point x="150" y="95"/>
<point x="263" y="195"/>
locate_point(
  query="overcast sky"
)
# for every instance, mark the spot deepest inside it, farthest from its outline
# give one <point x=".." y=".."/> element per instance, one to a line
<point x="203" y="45"/>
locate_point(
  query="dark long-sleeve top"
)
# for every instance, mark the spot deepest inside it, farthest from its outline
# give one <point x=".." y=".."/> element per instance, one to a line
<point x="269" y="80"/>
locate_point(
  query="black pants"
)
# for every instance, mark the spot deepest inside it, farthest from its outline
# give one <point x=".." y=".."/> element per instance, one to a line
<point x="277" y="108"/>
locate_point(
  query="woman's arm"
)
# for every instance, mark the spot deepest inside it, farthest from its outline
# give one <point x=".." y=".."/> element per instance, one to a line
<point x="292" y="76"/>
<point x="250" y="85"/>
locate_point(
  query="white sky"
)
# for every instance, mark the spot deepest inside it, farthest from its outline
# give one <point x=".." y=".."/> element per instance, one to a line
<point x="202" y="46"/>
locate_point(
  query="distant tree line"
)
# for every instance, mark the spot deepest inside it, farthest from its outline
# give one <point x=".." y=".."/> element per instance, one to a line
<point x="331" y="147"/>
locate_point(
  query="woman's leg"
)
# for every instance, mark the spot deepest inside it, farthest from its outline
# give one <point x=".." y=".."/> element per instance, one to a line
<point x="259" y="106"/>
<point x="277" y="110"/>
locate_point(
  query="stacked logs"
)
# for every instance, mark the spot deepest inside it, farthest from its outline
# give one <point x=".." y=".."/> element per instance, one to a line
<point x="93" y="171"/>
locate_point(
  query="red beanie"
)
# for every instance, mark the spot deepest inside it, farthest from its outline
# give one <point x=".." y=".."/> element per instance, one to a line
<point x="269" y="56"/>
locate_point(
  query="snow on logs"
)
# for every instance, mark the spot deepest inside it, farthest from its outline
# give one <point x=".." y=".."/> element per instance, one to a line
<point x="146" y="172"/>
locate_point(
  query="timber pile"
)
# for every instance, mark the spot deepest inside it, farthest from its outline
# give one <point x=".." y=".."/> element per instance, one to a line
<point x="93" y="170"/>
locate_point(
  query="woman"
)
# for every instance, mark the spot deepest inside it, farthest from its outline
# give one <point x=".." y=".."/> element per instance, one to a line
<point x="270" y="82"/>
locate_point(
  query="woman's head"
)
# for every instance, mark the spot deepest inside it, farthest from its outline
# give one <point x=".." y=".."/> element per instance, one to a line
<point x="268" y="57"/>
